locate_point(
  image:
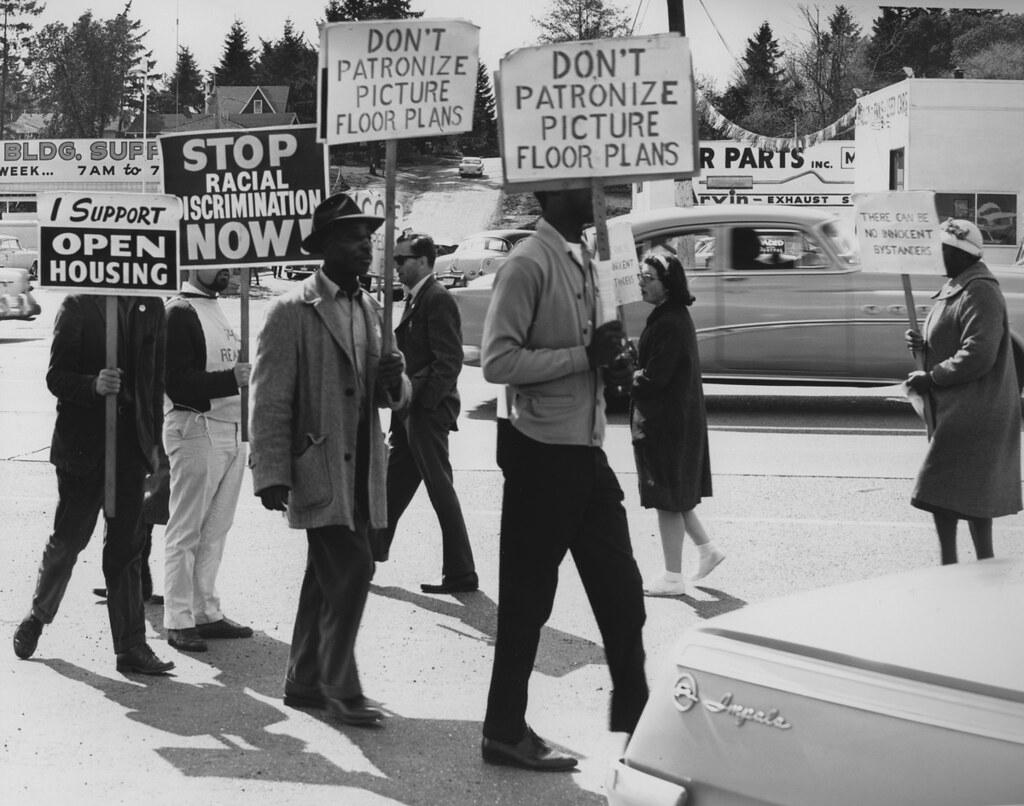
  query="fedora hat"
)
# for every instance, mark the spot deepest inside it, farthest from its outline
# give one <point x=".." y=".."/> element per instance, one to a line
<point x="336" y="209"/>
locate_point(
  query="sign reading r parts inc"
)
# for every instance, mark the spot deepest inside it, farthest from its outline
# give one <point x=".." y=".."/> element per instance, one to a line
<point x="109" y="243"/>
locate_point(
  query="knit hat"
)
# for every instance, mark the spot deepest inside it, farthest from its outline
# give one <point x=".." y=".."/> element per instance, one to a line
<point x="963" y="235"/>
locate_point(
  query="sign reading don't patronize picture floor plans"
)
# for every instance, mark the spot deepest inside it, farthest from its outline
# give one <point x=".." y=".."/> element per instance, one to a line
<point x="607" y="109"/>
<point x="391" y="79"/>
<point x="247" y="196"/>
<point x="109" y="243"/>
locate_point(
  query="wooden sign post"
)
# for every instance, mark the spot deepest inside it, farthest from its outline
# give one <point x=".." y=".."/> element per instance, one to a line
<point x="84" y="239"/>
<point x="360" y="102"/>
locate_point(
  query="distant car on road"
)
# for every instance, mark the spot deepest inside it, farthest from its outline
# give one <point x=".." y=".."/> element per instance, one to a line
<point x="471" y="166"/>
<point x="14" y="255"/>
<point x="849" y="695"/>
<point x="781" y="295"/>
<point x="478" y="254"/>
<point x="16" y="300"/>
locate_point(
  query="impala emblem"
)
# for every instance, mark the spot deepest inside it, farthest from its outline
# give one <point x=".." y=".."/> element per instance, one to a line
<point x="685" y="695"/>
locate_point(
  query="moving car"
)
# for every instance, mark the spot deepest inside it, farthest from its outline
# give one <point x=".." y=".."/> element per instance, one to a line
<point x="478" y="254"/>
<point x="16" y="300"/>
<point x="903" y="689"/>
<point x="781" y="295"/>
<point x="14" y="255"/>
<point x="471" y="166"/>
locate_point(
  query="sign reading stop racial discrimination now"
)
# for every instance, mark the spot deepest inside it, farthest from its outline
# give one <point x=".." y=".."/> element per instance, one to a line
<point x="109" y="243"/>
<point x="619" y="109"/>
<point x="248" y="196"/>
<point x="391" y="79"/>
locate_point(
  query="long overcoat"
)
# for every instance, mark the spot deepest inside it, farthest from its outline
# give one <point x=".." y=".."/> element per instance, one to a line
<point x="973" y="462"/>
<point x="672" y="458"/>
<point x="306" y="413"/>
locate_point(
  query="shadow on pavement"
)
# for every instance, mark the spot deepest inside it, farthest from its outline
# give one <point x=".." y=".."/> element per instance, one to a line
<point x="722" y="603"/>
<point x="411" y="761"/>
<point x="559" y="653"/>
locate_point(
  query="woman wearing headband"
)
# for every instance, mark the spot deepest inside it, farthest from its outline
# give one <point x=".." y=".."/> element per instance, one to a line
<point x="669" y="423"/>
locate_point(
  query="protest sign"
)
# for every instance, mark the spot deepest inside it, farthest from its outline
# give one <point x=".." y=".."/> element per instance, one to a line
<point x="247" y="195"/>
<point x="392" y="79"/>
<point x="617" y="276"/>
<point x="899" y="232"/>
<point x="109" y="243"/>
<point x="609" y="109"/>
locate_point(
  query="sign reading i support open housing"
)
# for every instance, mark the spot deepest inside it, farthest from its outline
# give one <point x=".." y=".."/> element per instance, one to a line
<point x="391" y="79"/>
<point x="607" y="109"/>
<point x="109" y="243"/>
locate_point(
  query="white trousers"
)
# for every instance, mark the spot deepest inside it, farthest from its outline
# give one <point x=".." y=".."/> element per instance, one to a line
<point x="207" y="464"/>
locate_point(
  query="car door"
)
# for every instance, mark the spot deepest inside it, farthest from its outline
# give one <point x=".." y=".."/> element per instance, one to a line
<point x="785" y="304"/>
<point x="695" y="247"/>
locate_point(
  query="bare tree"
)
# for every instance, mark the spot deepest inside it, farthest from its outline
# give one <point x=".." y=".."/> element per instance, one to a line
<point x="576" y="20"/>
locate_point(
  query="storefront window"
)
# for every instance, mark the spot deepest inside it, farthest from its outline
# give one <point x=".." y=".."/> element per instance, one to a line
<point x="994" y="213"/>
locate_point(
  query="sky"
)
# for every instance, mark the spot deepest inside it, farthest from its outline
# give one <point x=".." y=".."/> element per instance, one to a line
<point x="718" y="29"/>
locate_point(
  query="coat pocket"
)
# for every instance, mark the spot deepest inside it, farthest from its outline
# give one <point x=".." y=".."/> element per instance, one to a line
<point x="311" y="477"/>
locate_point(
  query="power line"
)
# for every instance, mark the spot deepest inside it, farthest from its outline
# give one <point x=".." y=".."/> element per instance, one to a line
<point x="641" y="4"/>
<point x="717" y="31"/>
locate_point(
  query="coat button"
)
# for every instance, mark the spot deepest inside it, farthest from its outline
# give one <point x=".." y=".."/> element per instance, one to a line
<point x="348" y="457"/>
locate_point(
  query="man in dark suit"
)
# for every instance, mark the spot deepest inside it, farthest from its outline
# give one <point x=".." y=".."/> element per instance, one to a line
<point x="81" y="381"/>
<point x="430" y="337"/>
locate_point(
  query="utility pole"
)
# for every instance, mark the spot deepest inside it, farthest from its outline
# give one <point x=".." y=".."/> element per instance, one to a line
<point x="677" y="24"/>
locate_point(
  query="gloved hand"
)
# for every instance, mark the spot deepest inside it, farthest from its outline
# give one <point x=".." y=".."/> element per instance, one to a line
<point x="389" y="371"/>
<point x="608" y="343"/>
<point x="915" y="342"/>
<point x="275" y="497"/>
<point x="919" y="381"/>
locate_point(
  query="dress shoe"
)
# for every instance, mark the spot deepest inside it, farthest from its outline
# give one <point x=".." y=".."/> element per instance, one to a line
<point x="314" y="701"/>
<point x="26" y="637"/>
<point x="464" y="583"/>
<point x="356" y="711"/>
<point x="186" y="640"/>
<point x="531" y="753"/>
<point x="141" y="660"/>
<point x="224" y="628"/>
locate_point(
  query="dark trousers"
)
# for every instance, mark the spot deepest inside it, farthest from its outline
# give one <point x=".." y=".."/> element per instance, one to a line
<point x="339" y="567"/>
<point x="560" y="498"/>
<point x="419" y="452"/>
<point x="79" y="501"/>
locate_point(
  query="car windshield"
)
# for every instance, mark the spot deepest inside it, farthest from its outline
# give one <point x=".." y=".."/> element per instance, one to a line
<point x="9" y="243"/>
<point x="843" y="240"/>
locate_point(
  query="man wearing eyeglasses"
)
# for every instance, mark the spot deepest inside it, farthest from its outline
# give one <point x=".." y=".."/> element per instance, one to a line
<point x="430" y="337"/>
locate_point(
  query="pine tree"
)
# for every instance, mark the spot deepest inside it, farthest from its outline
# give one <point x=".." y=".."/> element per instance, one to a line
<point x="237" y="66"/>
<point x="483" y="139"/>
<point x="761" y="99"/>
<point x="184" y="91"/>
<point x="361" y="10"/>
<point x="291" y="61"/>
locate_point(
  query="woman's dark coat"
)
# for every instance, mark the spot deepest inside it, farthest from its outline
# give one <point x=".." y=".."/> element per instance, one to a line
<point x="973" y="461"/>
<point x="672" y="460"/>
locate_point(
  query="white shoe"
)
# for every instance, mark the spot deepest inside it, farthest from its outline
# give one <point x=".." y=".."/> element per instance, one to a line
<point x="708" y="562"/>
<point x="666" y="587"/>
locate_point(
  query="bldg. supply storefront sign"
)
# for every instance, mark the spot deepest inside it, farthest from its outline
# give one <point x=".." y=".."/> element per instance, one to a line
<point x="109" y="243"/>
<point x="35" y="165"/>
<point x="614" y="109"/>
<point x="392" y="79"/>
<point x="247" y="196"/>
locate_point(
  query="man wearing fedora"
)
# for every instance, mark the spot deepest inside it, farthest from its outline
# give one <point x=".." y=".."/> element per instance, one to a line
<point x="317" y="450"/>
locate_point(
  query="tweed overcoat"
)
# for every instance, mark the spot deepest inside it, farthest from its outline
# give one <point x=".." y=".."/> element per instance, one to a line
<point x="672" y="457"/>
<point x="973" y="462"/>
<point x="305" y="410"/>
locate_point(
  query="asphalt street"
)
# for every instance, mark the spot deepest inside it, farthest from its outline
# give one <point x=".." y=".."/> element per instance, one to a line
<point x="811" y="489"/>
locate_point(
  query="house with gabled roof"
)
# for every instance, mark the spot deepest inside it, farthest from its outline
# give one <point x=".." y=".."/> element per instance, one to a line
<point x="227" y="107"/>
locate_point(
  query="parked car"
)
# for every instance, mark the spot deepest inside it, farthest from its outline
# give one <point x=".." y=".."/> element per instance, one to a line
<point x="861" y="693"/>
<point x="478" y="254"/>
<point x="16" y="300"/>
<point x="471" y="166"/>
<point x="781" y="295"/>
<point x="14" y="255"/>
